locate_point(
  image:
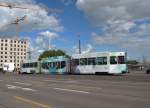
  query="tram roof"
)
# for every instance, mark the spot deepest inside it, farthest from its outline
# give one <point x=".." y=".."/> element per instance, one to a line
<point x="56" y="58"/>
<point x="97" y="54"/>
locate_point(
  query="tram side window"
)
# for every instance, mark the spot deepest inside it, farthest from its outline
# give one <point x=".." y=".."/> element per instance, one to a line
<point x="49" y="64"/>
<point x="102" y="61"/>
<point x="58" y="65"/>
<point x="63" y="64"/>
<point x="44" y="65"/>
<point x="83" y="61"/>
<point x="24" y="65"/>
<point x="27" y="65"/>
<point x="113" y="60"/>
<point x="30" y="65"/>
<point x="91" y="61"/>
<point x="121" y="60"/>
<point x="75" y="61"/>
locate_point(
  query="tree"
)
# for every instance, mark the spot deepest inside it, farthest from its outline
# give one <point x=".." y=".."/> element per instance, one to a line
<point x="52" y="53"/>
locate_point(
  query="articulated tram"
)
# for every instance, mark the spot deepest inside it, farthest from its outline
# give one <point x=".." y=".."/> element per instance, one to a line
<point x="88" y="63"/>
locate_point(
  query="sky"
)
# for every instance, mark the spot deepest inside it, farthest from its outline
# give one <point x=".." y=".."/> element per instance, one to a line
<point x="101" y="25"/>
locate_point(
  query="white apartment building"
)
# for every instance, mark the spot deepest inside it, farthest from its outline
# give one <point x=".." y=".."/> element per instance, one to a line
<point x="12" y="51"/>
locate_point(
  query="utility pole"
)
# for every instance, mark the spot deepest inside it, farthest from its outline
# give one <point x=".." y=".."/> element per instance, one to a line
<point x="79" y="43"/>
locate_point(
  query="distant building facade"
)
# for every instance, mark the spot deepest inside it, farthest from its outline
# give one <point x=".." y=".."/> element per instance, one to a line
<point x="12" y="51"/>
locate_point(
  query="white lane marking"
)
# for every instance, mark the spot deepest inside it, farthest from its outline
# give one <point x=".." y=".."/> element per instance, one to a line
<point x="28" y="89"/>
<point x="71" y="90"/>
<point x="26" y="84"/>
<point x="62" y="81"/>
<point x="21" y="88"/>
<point x="11" y="87"/>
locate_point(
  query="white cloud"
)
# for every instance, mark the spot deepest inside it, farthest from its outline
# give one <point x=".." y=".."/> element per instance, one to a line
<point x="87" y="49"/>
<point x="45" y="39"/>
<point x="118" y="18"/>
<point x="39" y="40"/>
<point x="101" y="11"/>
<point x="37" y="17"/>
<point x="49" y="35"/>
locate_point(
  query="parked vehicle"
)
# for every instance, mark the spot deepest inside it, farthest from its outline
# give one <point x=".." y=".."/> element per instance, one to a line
<point x="8" y="67"/>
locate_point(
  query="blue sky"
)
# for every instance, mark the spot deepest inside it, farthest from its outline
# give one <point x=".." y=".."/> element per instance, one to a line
<point x="103" y="25"/>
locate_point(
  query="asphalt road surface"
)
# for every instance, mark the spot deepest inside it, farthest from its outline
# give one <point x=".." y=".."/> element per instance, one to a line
<point x="74" y="91"/>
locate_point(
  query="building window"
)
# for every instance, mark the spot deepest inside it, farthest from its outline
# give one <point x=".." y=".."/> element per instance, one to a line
<point x="1" y="44"/>
<point x="5" y="52"/>
<point x="1" y="52"/>
<point x="15" y="41"/>
<point x="1" y="60"/>
<point x="5" y="44"/>
<point x="5" y="40"/>
<point x="2" y="40"/>
<point x="5" y="48"/>
<point x="11" y="49"/>
<point x="11" y="41"/>
<point x="10" y="60"/>
<point x="5" y="56"/>
<point x="14" y="49"/>
<point x="1" y="56"/>
<point x="1" y="48"/>
<point x="5" y="60"/>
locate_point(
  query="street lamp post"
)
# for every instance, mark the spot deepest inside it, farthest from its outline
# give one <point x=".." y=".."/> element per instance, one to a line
<point x="79" y="43"/>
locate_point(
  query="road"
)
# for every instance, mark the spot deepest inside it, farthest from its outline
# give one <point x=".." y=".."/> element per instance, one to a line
<point x="74" y="91"/>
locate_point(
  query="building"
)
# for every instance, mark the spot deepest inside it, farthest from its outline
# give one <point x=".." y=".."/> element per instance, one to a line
<point x="12" y="51"/>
